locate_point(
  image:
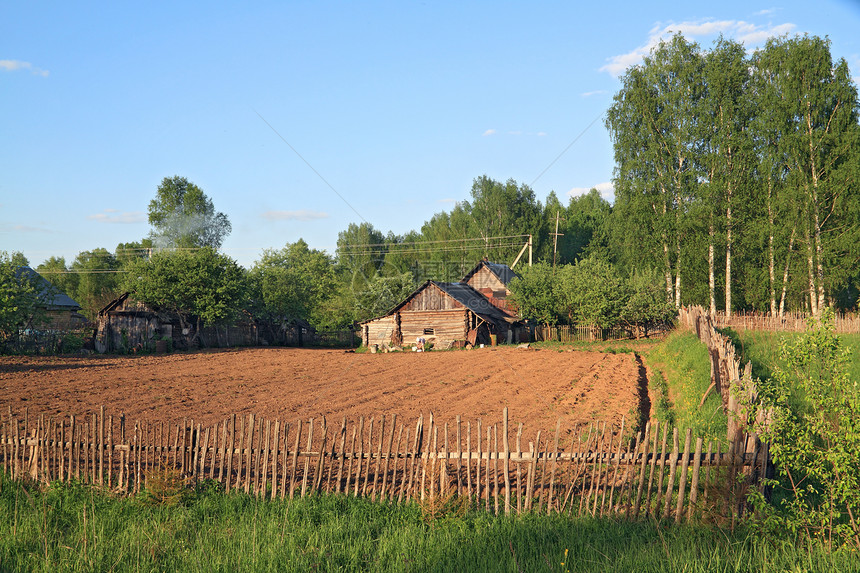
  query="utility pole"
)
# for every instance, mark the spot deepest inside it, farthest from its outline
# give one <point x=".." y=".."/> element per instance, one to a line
<point x="556" y="235"/>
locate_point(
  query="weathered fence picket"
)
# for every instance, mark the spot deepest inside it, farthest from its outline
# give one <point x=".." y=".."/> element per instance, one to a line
<point x="598" y="471"/>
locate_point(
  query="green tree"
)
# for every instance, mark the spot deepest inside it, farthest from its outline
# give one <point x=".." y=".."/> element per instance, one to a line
<point x="653" y="124"/>
<point x="726" y="153"/>
<point x="198" y="286"/>
<point x="815" y="101"/>
<point x="294" y="282"/>
<point x="591" y="292"/>
<point x="534" y="293"/>
<point x="55" y="271"/>
<point x="20" y="307"/>
<point x="381" y="294"/>
<point x="97" y="281"/>
<point x="183" y="216"/>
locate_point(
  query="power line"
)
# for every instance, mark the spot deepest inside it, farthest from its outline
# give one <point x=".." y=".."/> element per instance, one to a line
<point x="311" y="166"/>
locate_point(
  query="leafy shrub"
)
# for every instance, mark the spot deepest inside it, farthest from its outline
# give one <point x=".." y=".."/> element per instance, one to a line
<point x="814" y="434"/>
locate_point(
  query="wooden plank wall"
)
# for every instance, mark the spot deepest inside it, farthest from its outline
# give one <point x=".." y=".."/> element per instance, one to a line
<point x="589" y="469"/>
<point x="448" y="325"/>
<point x="431" y="298"/>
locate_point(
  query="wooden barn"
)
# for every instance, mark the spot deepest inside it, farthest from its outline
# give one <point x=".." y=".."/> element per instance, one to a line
<point x="441" y="313"/>
<point x="491" y="280"/>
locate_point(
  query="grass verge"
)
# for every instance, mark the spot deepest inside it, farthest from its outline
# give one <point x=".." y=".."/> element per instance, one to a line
<point x="680" y="374"/>
<point x="74" y="528"/>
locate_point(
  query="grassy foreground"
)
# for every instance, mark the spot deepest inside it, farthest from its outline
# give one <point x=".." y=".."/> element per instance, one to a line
<point x="74" y="528"/>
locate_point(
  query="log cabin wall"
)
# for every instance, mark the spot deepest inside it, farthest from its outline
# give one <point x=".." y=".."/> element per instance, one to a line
<point x="441" y="327"/>
<point x="379" y="331"/>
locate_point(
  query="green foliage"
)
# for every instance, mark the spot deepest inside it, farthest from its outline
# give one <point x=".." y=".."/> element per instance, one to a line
<point x="380" y="294"/>
<point x="534" y="293"/>
<point x="183" y="216"/>
<point x="680" y="374"/>
<point x="732" y="168"/>
<point x="20" y="307"/>
<point x="591" y="292"/>
<point x="813" y="433"/>
<point x="293" y="283"/>
<point x="70" y="528"/>
<point x="201" y="284"/>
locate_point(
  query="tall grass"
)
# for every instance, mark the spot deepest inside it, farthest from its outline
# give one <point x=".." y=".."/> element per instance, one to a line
<point x="762" y="349"/>
<point x="680" y="375"/>
<point x="73" y="528"/>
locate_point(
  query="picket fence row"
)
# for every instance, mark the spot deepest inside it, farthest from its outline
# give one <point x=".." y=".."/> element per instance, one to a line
<point x="843" y="323"/>
<point x="591" y="469"/>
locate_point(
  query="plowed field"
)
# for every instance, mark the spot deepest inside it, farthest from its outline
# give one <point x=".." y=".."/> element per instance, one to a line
<point x="537" y="386"/>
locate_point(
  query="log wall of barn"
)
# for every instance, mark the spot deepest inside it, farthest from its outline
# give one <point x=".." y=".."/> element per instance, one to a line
<point x="379" y="331"/>
<point x="447" y="326"/>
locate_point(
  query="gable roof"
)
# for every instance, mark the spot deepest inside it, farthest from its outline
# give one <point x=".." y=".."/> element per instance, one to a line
<point x="502" y="271"/>
<point x="50" y="296"/>
<point x="462" y="293"/>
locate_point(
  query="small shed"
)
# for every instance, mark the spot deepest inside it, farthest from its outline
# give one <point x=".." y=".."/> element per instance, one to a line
<point x="441" y="313"/>
<point x="125" y="324"/>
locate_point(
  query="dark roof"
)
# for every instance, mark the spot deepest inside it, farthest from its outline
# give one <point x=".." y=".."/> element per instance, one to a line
<point x="502" y="271"/>
<point x="52" y="297"/>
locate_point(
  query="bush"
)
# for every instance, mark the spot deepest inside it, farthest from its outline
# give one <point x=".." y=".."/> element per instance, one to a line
<point x="812" y="423"/>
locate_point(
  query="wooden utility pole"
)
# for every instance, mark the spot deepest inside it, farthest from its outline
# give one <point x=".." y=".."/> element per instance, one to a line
<point x="556" y="235"/>
<point x="528" y="246"/>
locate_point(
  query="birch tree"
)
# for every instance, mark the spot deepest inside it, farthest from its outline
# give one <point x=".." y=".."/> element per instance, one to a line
<point x="652" y="123"/>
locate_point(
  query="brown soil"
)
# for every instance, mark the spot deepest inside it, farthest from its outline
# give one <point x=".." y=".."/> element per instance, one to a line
<point x="537" y="386"/>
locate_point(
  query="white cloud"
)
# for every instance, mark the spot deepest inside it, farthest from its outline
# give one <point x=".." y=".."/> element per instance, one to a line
<point x="541" y="134"/>
<point x="115" y="216"/>
<point x="606" y="190"/>
<point x="300" y="215"/>
<point x="489" y="132"/>
<point x="16" y="65"/>
<point x="594" y="93"/>
<point x="744" y="32"/>
<point x="447" y="200"/>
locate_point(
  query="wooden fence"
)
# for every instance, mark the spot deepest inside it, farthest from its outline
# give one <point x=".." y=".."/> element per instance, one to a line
<point x="585" y="333"/>
<point x="843" y="323"/>
<point x="589" y="469"/>
<point x="731" y="379"/>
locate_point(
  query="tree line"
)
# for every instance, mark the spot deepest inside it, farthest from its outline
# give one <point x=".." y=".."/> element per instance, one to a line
<point x="736" y="187"/>
<point x="737" y="174"/>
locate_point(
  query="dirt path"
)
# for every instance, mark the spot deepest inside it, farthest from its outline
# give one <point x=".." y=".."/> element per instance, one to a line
<point x="538" y="386"/>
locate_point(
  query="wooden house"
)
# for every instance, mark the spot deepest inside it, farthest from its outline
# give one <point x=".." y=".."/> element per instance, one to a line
<point x="61" y="311"/>
<point x="491" y="280"/>
<point x="441" y="313"/>
<point x="127" y="325"/>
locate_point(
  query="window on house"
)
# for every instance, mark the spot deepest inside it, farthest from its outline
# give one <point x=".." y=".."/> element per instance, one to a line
<point x="430" y="331"/>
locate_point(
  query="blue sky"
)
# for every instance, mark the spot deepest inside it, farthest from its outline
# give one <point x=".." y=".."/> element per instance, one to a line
<point x="394" y="106"/>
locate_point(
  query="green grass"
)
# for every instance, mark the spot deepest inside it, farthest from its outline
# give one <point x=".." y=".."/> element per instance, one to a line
<point x="73" y="528"/>
<point x="680" y="374"/>
<point x="762" y="349"/>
